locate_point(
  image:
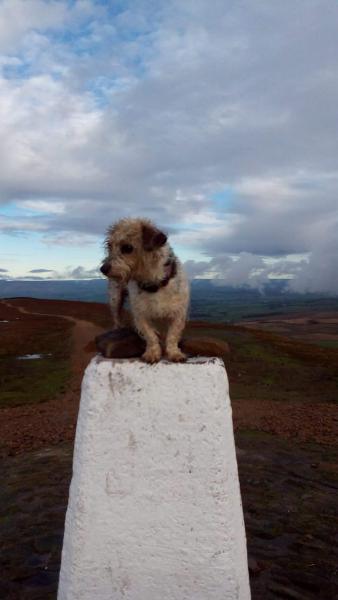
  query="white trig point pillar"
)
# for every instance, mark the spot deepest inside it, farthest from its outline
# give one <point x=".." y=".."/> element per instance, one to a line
<point x="155" y="509"/>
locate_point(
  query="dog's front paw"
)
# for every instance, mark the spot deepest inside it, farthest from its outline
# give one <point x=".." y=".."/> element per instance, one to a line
<point x="152" y="355"/>
<point x="176" y="356"/>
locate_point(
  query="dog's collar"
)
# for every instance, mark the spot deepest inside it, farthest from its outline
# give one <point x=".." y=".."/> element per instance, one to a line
<point x="170" y="272"/>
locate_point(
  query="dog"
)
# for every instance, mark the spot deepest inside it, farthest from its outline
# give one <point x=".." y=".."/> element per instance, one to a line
<point x="140" y="263"/>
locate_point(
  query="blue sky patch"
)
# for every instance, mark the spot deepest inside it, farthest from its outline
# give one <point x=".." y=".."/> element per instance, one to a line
<point x="223" y="200"/>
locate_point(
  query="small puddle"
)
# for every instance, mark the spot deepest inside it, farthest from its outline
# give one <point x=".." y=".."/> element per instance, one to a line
<point x="32" y="356"/>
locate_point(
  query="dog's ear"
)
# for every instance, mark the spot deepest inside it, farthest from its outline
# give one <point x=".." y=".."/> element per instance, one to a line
<point x="152" y="238"/>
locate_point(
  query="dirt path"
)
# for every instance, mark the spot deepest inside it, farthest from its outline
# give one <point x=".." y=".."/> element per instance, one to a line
<point x="83" y="332"/>
<point x="31" y="427"/>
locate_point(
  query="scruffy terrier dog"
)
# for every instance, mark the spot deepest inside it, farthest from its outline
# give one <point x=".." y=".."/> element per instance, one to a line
<point x="140" y="263"/>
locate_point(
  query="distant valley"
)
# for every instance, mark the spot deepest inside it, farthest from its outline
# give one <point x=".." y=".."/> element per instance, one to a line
<point x="210" y="301"/>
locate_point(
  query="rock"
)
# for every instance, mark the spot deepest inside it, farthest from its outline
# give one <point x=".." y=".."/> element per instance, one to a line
<point x="120" y="343"/>
<point x="126" y="343"/>
<point x="162" y="450"/>
<point x="204" y="346"/>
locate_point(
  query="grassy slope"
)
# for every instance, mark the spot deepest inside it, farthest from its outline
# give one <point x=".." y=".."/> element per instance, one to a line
<point x="260" y="365"/>
<point x="265" y="365"/>
<point x="33" y="381"/>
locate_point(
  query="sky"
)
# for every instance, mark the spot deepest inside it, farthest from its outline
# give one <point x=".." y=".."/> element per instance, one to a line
<point x="217" y="120"/>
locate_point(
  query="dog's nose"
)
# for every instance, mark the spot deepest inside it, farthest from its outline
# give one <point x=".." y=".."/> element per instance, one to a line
<point x="105" y="268"/>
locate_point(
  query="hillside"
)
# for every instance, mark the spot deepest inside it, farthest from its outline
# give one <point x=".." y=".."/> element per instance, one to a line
<point x="278" y="384"/>
<point x="210" y="300"/>
<point x="284" y="398"/>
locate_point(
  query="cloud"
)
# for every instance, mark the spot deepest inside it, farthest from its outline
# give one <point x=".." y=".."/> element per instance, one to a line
<point x="245" y="269"/>
<point x="157" y="109"/>
<point x="41" y="271"/>
<point x="319" y="272"/>
<point x="69" y="239"/>
<point x="197" y="269"/>
<point x="19" y="17"/>
<point x="42" y="206"/>
<point x="72" y="273"/>
<point x="79" y="273"/>
<point x="22" y="225"/>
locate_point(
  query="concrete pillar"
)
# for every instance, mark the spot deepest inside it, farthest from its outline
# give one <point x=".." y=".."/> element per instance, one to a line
<point x="155" y="509"/>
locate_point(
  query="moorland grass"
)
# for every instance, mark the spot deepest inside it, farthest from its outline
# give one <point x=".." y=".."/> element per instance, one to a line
<point x="32" y="381"/>
<point x="263" y="365"/>
<point x="36" y="380"/>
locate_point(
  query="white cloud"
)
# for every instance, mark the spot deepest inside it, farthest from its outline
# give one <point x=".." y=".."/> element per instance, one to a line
<point x="77" y="273"/>
<point x="20" y="226"/>
<point x="43" y="206"/>
<point x="153" y="110"/>
<point x="69" y="239"/>
<point x="232" y="270"/>
<point x="41" y="271"/>
<point x="18" y="17"/>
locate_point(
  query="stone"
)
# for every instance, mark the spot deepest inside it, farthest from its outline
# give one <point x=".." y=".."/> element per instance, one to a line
<point x="126" y="343"/>
<point x="155" y="508"/>
<point x="120" y="343"/>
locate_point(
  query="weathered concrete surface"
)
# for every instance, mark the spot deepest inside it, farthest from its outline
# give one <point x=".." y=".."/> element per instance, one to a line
<point x="155" y="510"/>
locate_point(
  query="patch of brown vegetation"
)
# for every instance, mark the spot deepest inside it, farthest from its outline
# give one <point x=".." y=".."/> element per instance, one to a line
<point x="312" y="327"/>
<point x="305" y="422"/>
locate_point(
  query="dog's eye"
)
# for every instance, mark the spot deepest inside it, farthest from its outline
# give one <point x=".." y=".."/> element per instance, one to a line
<point x="126" y="248"/>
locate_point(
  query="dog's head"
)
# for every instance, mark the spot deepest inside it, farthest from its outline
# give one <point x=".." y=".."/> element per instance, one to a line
<point x="129" y="244"/>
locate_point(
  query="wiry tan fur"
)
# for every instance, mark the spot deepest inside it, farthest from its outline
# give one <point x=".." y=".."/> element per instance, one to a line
<point x="146" y="264"/>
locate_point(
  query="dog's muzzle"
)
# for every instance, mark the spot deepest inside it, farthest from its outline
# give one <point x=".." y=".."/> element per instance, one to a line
<point x="105" y="269"/>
